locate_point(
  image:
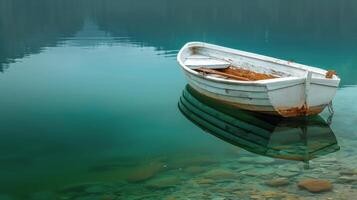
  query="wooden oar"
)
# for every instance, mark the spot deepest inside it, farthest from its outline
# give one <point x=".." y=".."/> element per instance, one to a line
<point x="212" y="71"/>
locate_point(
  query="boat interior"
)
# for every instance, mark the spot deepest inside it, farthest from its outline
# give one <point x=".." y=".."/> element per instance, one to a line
<point x="228" y="65"/>
<point x="223" y="69"/>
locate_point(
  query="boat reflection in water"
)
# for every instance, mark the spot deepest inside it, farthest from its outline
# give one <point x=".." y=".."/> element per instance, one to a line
<point x="299" y="139"/>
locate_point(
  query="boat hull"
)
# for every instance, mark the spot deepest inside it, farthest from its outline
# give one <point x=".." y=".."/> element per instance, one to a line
<point x="286" y="101"/>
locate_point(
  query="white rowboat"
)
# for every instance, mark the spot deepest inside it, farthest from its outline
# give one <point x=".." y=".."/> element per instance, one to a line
<point x="296" y="90"/>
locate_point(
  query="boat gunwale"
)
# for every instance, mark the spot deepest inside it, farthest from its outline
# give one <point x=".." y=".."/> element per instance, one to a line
<point x="334" y="82"/>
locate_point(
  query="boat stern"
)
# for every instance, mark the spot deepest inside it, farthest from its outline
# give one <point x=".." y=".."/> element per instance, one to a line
<point x="302" y="96"/>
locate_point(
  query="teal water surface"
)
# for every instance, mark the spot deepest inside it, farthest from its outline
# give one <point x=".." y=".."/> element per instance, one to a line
<point x="93" y="104"/>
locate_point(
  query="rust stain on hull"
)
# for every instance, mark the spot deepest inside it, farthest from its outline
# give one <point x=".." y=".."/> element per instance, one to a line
<point x="330" y="74"/>
<point x="270" y="110"/>
<point x="302" y="111"/>
<point x="290" y="112"/>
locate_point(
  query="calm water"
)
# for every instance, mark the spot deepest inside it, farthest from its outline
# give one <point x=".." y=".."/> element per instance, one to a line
<point x="89" y="94"/>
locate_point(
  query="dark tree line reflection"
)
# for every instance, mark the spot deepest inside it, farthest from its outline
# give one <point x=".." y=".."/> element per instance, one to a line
<point x="28" y="26"/>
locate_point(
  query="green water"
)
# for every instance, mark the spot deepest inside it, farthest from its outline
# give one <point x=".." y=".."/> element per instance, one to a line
<point x="89" y="94"/>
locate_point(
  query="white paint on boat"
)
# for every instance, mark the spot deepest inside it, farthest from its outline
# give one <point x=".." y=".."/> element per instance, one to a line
<point x="197" y="61"/>
<point x="298" y="90"/>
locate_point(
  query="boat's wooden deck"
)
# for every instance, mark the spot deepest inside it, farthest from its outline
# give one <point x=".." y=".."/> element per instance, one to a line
<point x="251" y="75"/>
<point x="236" y="73"/>
<point x="209" y="65"/>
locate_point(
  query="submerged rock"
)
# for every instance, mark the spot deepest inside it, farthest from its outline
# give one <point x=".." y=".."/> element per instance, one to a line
<point x="277" y="182"/>
<point x="192" y="161"/>
<point x="96" y="189"/>
<point x="194" y="170"/>
<point x="163" y="182"/>
<point x="333" y="160"/>
<point x="204" y="181"/>
<point x="245" y="160"/>
<point x="218" y="198"/>
<point x="257" y="160"/>
<point x="145" y="172"/>
<point x="347" y="179"/>
<point x="286" y="173"/>
<point x="292" y="197"/>
<point x="220" y="174"/>
<point x="257" y="197"/>
<point x="259" y="172"/>
<point x="271" y="194"/>
<point x="315" y="185"/>
<point x="348" y="172"/>
<point x="292" y="168"/>
<point x="170" y="198"/>
<point x="245" y="167"/>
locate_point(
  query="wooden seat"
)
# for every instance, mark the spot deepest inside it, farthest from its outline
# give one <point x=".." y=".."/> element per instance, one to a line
<point x="200" y="61"/>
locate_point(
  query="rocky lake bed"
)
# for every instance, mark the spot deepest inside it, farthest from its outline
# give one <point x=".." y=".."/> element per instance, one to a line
<point x="240" y="175"/>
